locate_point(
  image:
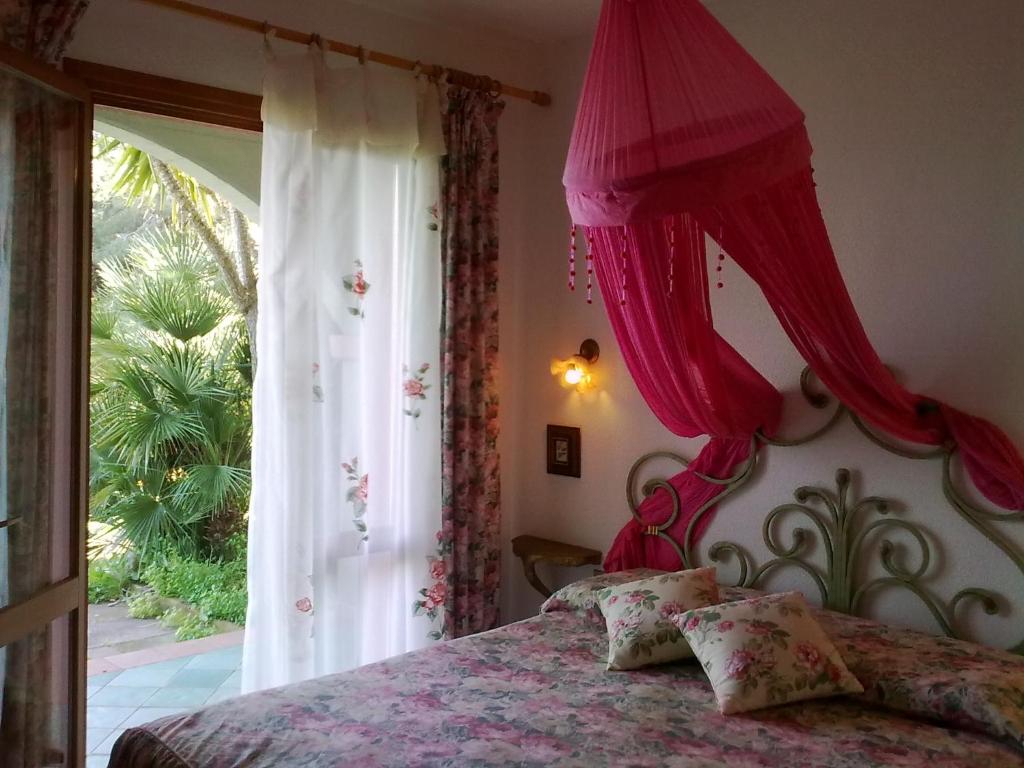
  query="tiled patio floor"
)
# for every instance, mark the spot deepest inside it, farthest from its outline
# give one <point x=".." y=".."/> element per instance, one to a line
<point x="120" y="700"/>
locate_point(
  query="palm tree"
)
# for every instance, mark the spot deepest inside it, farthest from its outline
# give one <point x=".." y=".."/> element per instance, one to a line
<point x="170" y="399"/>
<point x="220" y="226"/>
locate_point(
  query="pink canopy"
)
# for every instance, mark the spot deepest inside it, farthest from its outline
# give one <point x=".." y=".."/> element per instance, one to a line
<point x="681" y="137"/>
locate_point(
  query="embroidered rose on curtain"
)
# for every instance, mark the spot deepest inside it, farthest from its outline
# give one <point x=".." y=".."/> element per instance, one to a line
<point x="347" y="441"/>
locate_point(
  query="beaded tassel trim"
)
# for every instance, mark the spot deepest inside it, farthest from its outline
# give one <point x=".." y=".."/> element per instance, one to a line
<point x="572" y="258"/>
<point x="590" y="267"/>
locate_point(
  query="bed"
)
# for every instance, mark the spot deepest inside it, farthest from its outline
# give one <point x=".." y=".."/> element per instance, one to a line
<point x="537" y="692"/>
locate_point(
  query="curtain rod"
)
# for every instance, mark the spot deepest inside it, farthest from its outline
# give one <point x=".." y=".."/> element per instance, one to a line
<point x="467" y="79"/>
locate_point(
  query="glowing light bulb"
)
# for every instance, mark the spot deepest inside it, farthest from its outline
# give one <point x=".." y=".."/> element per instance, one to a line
<point x="573" y="375"/>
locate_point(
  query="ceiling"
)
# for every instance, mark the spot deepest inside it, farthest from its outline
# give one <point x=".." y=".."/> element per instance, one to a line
<point x="539" y="21"/>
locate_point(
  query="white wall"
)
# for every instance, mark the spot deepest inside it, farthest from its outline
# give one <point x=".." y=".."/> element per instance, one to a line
<point x="916" y="112"/>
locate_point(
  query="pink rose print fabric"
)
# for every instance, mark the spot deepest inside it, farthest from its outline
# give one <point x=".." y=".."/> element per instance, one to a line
<point x="356" y="285"/>
<point x="639" y="616"/>
<point x="470" y="476"/>
<point x="765" y="651"/>
<point x="357" y="495"/>
<point x="537" y="693"/>
<point x="431" y="599"/>
<point x="415" y="387"/>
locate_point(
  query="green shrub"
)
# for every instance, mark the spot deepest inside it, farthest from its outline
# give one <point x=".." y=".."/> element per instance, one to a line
<point x="189" y="580"/>
<point x="236" y="548"/>
<point x="108" y="580"/>
<point x="188" y="624"/>
<point x="226" y="606"/>
<point x="145" y="605"/>
<point x="217" y="589"/>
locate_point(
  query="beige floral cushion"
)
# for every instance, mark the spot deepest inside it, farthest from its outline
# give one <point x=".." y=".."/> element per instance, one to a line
<point x="765" y="651"/>
<point x="638" y="616"/>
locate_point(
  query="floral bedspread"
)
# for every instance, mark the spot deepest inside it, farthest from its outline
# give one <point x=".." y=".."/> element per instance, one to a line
<point x="537" y="693"/>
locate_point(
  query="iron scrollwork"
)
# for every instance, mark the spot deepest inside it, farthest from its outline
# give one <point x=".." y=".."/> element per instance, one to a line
<point x="840" y="526"/>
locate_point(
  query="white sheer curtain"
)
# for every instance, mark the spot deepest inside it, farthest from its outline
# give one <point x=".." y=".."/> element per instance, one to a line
<point x="346" y="449"/>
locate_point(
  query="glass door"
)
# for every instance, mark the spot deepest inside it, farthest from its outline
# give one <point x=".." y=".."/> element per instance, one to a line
<point x="45" y="124"/>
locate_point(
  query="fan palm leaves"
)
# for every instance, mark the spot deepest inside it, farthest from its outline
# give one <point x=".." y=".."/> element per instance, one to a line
<point x="136" y="177"/>
<point x="223" y="230"/>
<point x="170" y="404"/>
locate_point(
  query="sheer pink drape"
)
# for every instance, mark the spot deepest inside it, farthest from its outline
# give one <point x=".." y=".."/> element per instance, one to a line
<point x="778" y="237"/>
<point x="673" y="111"/>
<point x="695" y="383"/>
<point x="679" y="130"/>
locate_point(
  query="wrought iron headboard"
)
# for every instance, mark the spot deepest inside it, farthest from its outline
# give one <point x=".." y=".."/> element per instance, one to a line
<point x="842" y="525"/>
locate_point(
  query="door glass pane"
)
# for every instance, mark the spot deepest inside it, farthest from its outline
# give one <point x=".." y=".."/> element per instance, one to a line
<point x="39" y="137"/>
<point x="35" y="697"/>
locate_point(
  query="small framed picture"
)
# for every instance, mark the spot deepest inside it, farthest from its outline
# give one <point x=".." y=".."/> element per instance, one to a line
<point x="563" y="450"/>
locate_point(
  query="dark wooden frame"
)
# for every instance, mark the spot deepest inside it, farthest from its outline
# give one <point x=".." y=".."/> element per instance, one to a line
<point x="571" y="435"/>
<point x="139" y="92"/>
<point x="68" y="597"/>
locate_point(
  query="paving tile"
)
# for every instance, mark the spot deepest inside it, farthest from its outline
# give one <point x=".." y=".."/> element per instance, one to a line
<point x="102" y="679"/>
<point x="226" y="659"/>
<point x="94" y="737"/>
<point x="191" y="698"/>
<point x="91" y="689"/>
<point x="145" y="715"/>
<point x="106" y="717"/>
<point x="97" y="761"/>
<point x="177" y="650"/>
<point x="107" y="745"/>
<point x="174" y="664"/>
<point x="122" y="696"/>
<point x="151" y="675"/>
<point x="199" y="678"/>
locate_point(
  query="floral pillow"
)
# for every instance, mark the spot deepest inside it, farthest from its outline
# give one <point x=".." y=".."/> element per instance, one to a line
<point x="765" y="651"/>
<point x="639" y="616"/>
<point x="584" y="595"/>
<point x="937" y="678"/>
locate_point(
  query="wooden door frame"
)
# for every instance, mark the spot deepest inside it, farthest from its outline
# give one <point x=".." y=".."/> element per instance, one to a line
<point x="68" y="597"/>
<point x="91" y="84"/>
<point x="156" y="95"/>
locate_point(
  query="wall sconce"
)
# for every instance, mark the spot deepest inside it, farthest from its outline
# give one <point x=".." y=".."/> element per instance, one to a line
<point x="574" y="372"/>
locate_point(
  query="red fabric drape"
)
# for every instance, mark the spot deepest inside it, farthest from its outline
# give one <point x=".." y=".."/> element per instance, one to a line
<point x="678" y="128"/>
<point x="778" y="237"/>
<point x="692" y="379"/>
<point x="632" y="549"/>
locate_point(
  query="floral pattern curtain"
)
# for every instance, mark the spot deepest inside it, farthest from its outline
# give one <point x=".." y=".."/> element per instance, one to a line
<point x="468" y="574"/>
<point x="42" y="28"/>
